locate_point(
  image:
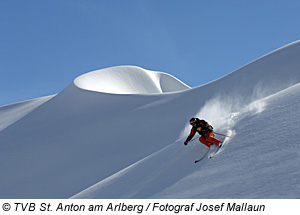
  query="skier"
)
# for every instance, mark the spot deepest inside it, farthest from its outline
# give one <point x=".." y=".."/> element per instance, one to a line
<point x="205" y="130"/>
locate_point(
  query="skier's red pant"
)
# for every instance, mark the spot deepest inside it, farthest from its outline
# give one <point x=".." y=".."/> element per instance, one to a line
<point x="209" y="138"/>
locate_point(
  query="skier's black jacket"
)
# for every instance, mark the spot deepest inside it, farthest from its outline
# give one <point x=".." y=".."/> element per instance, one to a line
<point x="202" y="127"/>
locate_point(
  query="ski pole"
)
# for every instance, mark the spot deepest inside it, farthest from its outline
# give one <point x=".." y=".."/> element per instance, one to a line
<point x="193" y="139"/>
<point x="222" y="135"/>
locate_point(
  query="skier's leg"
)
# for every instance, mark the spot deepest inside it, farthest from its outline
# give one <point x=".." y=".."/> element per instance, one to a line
<point x="203" y="140"/>
<point x="210" y="138"/>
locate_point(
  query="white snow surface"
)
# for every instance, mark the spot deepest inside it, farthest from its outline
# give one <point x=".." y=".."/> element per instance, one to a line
<point x="119" y="133"/>
<point x="129" y="80"/>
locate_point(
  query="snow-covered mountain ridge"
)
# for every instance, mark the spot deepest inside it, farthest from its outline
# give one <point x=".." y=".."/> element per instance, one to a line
<point x="129" y="80"/>
<point x="119" y="132"/>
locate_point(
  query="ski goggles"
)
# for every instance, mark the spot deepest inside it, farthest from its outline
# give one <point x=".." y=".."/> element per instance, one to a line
<point x="193" y="124"/>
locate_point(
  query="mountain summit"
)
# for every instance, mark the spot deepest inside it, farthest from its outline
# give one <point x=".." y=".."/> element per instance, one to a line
<point x="129" y="80"/>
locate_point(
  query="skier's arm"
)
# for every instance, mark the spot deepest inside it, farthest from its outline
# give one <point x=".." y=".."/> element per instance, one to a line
<point x="192" y="134"/>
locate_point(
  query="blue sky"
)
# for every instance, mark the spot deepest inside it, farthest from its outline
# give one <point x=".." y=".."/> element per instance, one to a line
<point x="46" y="44"/>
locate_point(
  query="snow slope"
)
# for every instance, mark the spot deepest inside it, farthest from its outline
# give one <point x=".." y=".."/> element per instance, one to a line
<point x="119" y="132"/>
<point x="9" y="114"/>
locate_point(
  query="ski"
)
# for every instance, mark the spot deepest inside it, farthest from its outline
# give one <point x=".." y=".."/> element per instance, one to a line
<point x="214" y="154"/>
<point x="224" y="142"/>
<point x="197" y="161"/>
<point x="210" y="153"/>
<point x="214" y="149"/>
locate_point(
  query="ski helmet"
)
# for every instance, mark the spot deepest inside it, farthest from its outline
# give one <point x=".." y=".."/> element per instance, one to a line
<point x="193" y="120"/>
